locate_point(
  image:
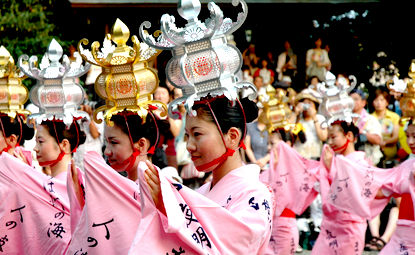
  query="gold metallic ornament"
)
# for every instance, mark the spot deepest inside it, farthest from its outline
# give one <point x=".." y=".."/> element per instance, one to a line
<point x="276" y="111"/>
<point x="126" y="81"/>
<point x="13" y="94"/>
<point x="407" y="101"/>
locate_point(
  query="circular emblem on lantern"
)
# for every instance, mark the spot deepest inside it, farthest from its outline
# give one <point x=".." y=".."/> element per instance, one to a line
<point x="53" y="97"/>
<point x="2" y="95"/>
<point x="124" y="86"/>
<point x="203" y="66"/>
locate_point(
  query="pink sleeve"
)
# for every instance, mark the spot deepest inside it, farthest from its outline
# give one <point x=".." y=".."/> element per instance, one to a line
<point x="197" y="225"/>
<point x="355" y="186"/>
<point x="36" y="217"/>
<point x="111" y="213"/>
<point x="292" y="180"/>
<point x="75" y="206"/>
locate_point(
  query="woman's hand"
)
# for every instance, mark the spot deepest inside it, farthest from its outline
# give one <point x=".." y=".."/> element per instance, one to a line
<point x="153" y="181"/>
<point x="19" y="154"/>
<point x="77" y="186"/>
<point x="327" y="157"/>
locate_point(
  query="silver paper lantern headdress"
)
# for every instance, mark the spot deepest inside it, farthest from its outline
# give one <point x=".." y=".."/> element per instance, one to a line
<point x="203" y="62"/>
<point x="56" y="93"/>
<point x="337" y="104"/>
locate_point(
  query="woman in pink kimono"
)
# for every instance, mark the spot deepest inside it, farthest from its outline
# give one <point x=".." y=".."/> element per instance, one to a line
<point x="35" y="216"/>
<point x="29" y="191"/>
<point x="232" y="213"/>
<point x="402" y="241"/>
<point x="235" y="186"/>
<point x="109" y="209"/>
<point x="341" y="232"/>
<point x="13" y="133"/>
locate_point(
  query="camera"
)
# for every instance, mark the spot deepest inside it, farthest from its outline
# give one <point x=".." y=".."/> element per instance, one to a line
<point x="306" y="107"/>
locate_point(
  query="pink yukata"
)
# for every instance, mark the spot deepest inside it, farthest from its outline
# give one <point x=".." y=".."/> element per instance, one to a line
<point x="402" y="183"/>
<point x="283" y="178"/>
<point x="26" y="153"/>
<point x="341" y="232"/>
<point x="109" y="220"/>
<point x="234" y="217"/>
<point x="34" y="210"/>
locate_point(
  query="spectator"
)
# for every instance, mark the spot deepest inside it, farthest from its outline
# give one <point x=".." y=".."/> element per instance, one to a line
<point x="390" y="128"/>
<point x="317" y="61"/>
<point x="165" y="154"/>
<point x="257" y="141"/>
<point x="315" y="133"/>
<point x="265" y="72"/>
<point x="370" y="135"/>
<point x="287" y="63"/>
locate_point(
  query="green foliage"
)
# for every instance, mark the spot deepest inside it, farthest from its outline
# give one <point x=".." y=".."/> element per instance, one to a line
<point x="28" y="26"/>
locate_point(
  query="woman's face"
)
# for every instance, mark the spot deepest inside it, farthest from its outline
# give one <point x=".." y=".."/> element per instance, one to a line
<point x="204" y="141"/>
<point x="162" y="94"/>
<point x="380" y="103"/>
<point x="118" y="147"/>
<point x="410" y="137"/>
<point x="336" y="138"/>
<point x="47" y="149"/>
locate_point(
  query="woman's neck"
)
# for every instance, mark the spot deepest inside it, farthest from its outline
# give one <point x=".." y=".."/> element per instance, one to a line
<point x="381" y="113"/>
<point x="232" y="162"/>
<point x="349" y="149"/>
<point x="61" y="166"/>
<point x="132" y="173"/>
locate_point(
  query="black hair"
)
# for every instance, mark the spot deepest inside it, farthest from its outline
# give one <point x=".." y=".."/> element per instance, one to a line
<point x="228" y="115"/>
<point x="347" y="127"/>
<point x="382" y="92"/>
<point x="16" y="127"/>
<point x="59" y="131"/>
<point x="363" y="95"/>
<point x="138" y="129"/>
<point x="290" y="136"/>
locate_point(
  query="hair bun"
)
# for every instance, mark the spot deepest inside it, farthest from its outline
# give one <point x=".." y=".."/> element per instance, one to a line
<point x="250" y="109"/>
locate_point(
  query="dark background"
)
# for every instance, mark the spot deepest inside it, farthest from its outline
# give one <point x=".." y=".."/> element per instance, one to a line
<point x="354" y="43"/>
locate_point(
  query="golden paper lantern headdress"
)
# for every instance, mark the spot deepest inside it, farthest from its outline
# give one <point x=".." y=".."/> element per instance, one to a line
<point x="275" y="110"/>
<point x="126" y="81"/>
<point x="13" y="94"/>
<point x="407" y="101"/>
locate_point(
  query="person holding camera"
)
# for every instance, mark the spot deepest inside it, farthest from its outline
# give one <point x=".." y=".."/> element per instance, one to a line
<point x="305" y="113"/>
<point x="370" y="130"/>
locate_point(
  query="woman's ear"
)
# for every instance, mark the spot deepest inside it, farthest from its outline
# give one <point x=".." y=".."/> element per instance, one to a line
<point x="65" y="146"/>
<point x="350" y="136"/>
<point x="234" y="138"/>
<point x="12" y="140"/>
<point x="143" y="145"/>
